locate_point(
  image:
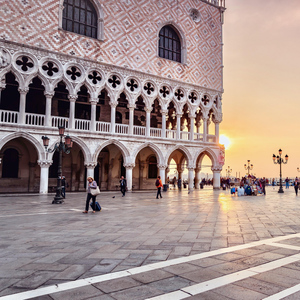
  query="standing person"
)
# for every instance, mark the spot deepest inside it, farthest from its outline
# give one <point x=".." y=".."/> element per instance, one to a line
<point x="179" y="183"/>
<point x="92" y="184"/>
<point x="296" y="185"/>
<point x="159" y="185"/>
<point x="263" y="185"/>
<point x="123" y="185"/>
<point x="287" y="183"/>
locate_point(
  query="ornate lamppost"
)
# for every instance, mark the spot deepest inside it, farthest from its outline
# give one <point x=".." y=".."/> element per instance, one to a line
<point x="278" y="160"/>
<point x="249" y="167"/>
<point x="228" y="172"/>
<point x="60" y="147"/>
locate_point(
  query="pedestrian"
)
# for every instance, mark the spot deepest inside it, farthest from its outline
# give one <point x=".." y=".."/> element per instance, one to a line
<point x="179" y="183"/>
<point x="123" y="185"/>
<point x="92" y="184"/>
<point x="263" y="185"/>
<point x="296" y="185"/>
<point x="287" y="183"/>
<point x="159" y="185"/>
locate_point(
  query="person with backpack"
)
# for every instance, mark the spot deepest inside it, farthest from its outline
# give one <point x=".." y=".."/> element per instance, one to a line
<point x="159" y="185"/>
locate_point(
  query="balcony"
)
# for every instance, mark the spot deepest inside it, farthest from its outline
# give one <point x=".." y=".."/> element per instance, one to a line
<point x="36" y="120"/>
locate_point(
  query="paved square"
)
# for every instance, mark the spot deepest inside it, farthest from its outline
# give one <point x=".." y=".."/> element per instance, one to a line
<point x="203" y="245"/>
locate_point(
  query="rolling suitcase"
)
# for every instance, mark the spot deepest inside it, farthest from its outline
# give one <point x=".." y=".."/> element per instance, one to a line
<point x="97" y="208"/>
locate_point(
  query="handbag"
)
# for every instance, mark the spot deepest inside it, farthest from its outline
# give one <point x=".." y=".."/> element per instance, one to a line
<point x="95" y="191"/>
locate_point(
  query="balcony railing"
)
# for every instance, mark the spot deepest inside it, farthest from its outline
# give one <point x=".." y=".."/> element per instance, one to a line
<point x="9" y="116"/>
<point x="34" y="119"/>
<point x="101" y="127"/>
<point x="82" y="124"/>
<point x="60" y="121"/>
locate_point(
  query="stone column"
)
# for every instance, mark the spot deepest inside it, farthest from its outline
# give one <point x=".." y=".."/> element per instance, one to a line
<point x="205" y="129"/>
<point x="163" y="123"/>
<point x="113" y="106"/>
<point x="90" y="170"/>
<point x="162" y="173"/>
<point x="180" y="170"/>
<point x="44" y="175"/>
<point x="192" y="127"/>
<point x="93" y="114"/>
<point x="217" y="132"/>
<point x="216" y="177"/>
<point x="191" y="178"/>
<point x="148" y="117"/>
<point x="197" y="177"/>
<point x="178" y="126"/>
<point x="49" y="97"/>
<point x="131" y="118"/>
<point x="72" y="99"/>
<point x="23" y="93"/>
<point x="129" y="168"/>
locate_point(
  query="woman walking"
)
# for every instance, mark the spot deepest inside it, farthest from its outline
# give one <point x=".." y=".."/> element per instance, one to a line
<point x="92" y="184"/>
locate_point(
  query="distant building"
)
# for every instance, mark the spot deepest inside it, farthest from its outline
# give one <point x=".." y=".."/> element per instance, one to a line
<point x="136" y="84"/>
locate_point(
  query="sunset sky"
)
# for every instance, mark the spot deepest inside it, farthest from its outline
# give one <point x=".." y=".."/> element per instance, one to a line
<point x="261" y="85"/>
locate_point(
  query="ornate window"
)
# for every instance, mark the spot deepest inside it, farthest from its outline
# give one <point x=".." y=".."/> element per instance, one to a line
<point x="80" y="16"/>
<point x="152" y="167"/>
<point x="169" y="44"/>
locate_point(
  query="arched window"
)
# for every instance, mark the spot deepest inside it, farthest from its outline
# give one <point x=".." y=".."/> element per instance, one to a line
<point x="10" y="163"/>
<point x="152" y="167"/>
<point x="80" y="16"/>
<point x="169" y="44"/>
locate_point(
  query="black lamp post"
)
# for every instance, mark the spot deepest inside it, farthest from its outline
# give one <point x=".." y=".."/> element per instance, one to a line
<point x="228" y="172"/>
<point x="249" y="167"/>
<point x="278" y="160"/>
<point x="60" y="147"/>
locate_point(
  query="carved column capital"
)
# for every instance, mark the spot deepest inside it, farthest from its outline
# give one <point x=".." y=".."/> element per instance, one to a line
<point x="113" y="104"/>
<point x="49" y="94"/>
<point x="72" y="98"/>
<point x="216" y="169"/>
<point x="162" y="167"/>
<point x="129" y="166"/>
<point x="44" y="163"/>
<point x="90" y="165"/>
<point x="23" y="90"/>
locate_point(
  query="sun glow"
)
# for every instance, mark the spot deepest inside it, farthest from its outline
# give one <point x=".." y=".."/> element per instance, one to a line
<point x="224" y="140"/>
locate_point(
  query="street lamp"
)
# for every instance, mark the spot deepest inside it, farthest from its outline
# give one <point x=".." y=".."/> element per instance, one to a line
<point x="278" y="160"/>
<point x="297" y="169"/>
<point x="249" y="167"/>
<point x="228" y="171"/>
<point x="60" y="147"/>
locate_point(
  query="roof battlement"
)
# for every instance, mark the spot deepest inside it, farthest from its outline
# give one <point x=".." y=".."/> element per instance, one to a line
<point x="218" y="3"/>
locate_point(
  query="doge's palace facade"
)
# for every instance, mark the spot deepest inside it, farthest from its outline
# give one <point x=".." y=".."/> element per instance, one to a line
<point x="137" y="85"/>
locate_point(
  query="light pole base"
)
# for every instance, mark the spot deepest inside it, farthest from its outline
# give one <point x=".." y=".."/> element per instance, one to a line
<point x="280" y="191"/>
<point x="58" y="201"/>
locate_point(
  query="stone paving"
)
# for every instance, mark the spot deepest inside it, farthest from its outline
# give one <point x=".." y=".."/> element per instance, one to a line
<point x="200" y="245"/>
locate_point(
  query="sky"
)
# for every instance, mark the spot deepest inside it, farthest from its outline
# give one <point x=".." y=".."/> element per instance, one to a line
<point x="261" y="85"/>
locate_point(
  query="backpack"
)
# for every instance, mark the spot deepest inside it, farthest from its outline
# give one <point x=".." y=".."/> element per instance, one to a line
<point x="157" y="182"/>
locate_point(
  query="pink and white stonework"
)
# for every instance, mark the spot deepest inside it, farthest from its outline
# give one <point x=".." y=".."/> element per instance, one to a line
<point x="126" y="108"/>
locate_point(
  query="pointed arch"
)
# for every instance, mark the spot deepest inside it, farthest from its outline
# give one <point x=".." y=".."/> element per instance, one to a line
<point x="42" y="78"/>
<point x="184" y="150"/>
<point x="210" y="153"/>
<point x="18" y="77"/>
<point x="121" y="146"/>
<point x="154" y="148"/>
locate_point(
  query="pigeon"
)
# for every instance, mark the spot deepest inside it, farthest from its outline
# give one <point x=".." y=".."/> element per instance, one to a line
<point x="114" y="196"/>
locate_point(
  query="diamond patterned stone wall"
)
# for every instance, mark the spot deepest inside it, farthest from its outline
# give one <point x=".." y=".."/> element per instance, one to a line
<point x="131" y="30"/>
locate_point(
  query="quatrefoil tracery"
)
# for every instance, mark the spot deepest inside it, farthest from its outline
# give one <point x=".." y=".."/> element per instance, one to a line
<point x="149" y="88"/>
<point x="164" y="91"/>
<point x="193" y="97"/>
<point x="114" y="81"/>
<point x="24" y="63"/>
<point x="132" y="84"/>
<point x="205" y="100"/>
<point x="50" y="68"/>
<point x="73" y="72"/>
<point x="95" y="77"/>
<point x="179" y="94"/>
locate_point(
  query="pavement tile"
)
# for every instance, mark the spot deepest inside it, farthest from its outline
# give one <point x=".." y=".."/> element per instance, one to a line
<point x="201" y="275"/>
<point x="208" y="296"/>
<point x="239" y="293"/>
<point x="295" y="296"/>
<point x="259" y="286"/>
<point x="78" y="293"/>
<point x="137" y="293"/>
<point x="171" y="284"/>
<point x="117" y="285"/>
<point x="151" y="276"/>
